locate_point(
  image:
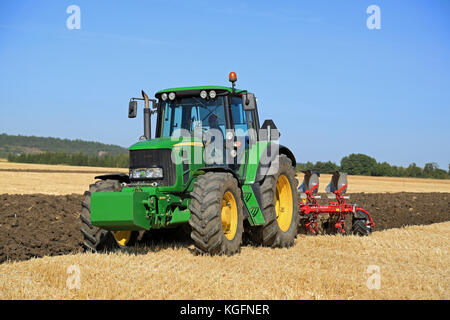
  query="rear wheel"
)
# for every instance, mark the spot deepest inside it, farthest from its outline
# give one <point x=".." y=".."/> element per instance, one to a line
<point x="279" y="202"/>
<point x="97" y="239"/>
<point x="216" y="214"/>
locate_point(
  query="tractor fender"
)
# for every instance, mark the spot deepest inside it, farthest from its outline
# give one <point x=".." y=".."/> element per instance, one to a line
<point x="121" y="177"/>
<point x="219" y="169"/>
<point x="262" y="168"/>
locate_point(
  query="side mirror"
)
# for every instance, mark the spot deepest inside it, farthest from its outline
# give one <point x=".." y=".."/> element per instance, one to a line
<point x="249" y="101"/>
<point x="132" y="109"/>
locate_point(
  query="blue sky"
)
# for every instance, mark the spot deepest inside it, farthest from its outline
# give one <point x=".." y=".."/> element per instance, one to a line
<point x="331" y="85"/>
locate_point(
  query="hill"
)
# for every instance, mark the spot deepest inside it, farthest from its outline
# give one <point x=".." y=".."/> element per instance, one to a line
<point x="33" y="145"/>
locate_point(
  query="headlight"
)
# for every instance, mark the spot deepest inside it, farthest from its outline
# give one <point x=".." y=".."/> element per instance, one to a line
<point x="203" y="94"/>
<point x="164" y="96"/>
<point x="146" y="173"/>
<point x="212" y="94"/>
<point x="172" y="96"/>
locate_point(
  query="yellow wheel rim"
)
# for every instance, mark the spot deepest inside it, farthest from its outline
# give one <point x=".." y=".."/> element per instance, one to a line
<point x="284" y="206"/>
<point x="122" y="237"/>
<point x="229" y="215"/>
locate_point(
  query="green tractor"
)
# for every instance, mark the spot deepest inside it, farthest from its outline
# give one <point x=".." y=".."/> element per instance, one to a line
<point x="211" y="167"/>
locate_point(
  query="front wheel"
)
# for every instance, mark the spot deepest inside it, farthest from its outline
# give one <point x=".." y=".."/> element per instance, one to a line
<point x="97" y="239"/>
<point x="216" y="214"/>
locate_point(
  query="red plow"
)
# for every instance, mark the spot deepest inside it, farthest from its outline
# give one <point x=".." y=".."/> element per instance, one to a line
<point x="337" y="216"/>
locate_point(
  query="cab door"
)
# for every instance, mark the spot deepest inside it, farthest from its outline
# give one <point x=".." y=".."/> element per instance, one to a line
<point x="241" y="122"/>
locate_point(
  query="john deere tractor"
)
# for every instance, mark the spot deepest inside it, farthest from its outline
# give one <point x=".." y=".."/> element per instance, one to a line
<point x="211" y="167"/>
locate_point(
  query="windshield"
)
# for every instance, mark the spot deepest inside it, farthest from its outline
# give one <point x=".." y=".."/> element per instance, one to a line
<point x="191" y="113"/>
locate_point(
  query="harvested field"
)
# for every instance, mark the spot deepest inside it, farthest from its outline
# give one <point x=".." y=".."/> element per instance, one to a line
<point x="25" y="178"/>
<point x="50" y="167"/>
<point x="39" y="225"/>
<point x="413" y="264"/>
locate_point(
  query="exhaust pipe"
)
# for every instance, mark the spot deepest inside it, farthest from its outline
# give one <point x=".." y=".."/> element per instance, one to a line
<point x="147" y="113"/>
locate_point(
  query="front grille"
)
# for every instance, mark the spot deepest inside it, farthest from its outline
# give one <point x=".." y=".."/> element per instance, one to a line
<point x="155" y="158"/>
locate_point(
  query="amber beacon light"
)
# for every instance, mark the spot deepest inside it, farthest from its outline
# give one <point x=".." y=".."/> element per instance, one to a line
<point x="232" y="77"/>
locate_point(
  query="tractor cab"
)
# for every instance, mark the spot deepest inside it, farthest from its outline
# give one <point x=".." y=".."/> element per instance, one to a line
<point x="191" y="109"/>
<point x="204" y="108"/>
<point x="221" y="121"/>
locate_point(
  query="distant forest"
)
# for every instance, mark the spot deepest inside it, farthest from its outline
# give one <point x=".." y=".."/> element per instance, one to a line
<point x="74" y="159"/>
<point x="18" y="145"/>
<point x="361" y="164"/>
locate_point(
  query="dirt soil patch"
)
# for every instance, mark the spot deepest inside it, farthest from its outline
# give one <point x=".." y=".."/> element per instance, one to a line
<point x="395" y="210"/>
<point x="37" y="225"/>
<point x="40" y="225"/>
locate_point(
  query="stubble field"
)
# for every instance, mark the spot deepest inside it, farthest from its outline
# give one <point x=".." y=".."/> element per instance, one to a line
<point x="39" y="217"/>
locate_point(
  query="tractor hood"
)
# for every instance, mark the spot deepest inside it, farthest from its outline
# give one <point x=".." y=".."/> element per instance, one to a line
<point x="166" y="143"/>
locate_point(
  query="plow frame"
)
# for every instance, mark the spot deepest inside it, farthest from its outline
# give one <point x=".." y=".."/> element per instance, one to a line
<point x="310" y="209"/>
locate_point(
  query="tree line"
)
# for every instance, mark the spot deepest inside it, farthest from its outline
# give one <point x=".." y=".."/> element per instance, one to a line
<point x="74" y="159"/>
<point x="361" y="164"/>
<point x="22" y="144"/>
<point x="354" y="164"/>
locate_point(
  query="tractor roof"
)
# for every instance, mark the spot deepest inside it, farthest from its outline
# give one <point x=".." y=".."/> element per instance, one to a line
<point x="195" y="90"/>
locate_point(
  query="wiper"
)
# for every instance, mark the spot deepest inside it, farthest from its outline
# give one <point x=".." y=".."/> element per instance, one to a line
<point x="200" y="102"/>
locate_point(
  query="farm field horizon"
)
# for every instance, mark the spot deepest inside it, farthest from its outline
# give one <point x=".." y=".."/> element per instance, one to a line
<point x="25" y="178"/>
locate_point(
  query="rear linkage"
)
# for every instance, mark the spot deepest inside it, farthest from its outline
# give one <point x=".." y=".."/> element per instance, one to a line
<point x="309" y="208"/>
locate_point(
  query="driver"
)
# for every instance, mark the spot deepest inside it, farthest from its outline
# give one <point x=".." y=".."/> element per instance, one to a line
<point x="213" y="121"/>
<point x="214" y="141"/>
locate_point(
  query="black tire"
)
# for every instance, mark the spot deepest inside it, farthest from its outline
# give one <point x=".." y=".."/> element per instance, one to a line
<point x="270" y="234"/>
<point x="359" y="224"/>
<point x="94" y="238"/>
<point x="206" y="220"/>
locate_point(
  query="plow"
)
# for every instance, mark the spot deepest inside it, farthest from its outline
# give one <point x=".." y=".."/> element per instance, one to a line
<point x="337" y="216"/>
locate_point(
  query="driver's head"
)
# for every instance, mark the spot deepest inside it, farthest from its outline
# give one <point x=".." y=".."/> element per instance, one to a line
<point x="213" y="121"/>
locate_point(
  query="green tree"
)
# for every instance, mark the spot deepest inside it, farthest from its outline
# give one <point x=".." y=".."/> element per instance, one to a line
<point x="325" y="167"/>
<point x="382" y="169"/>
<point x="358" y="164"/>
<point x="414" y="171"/>
<point x="429" y="168"/>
